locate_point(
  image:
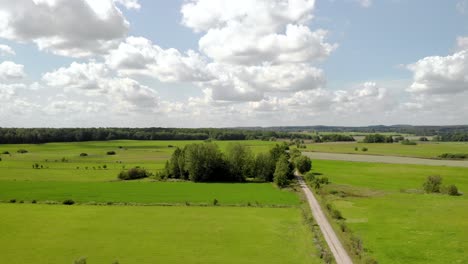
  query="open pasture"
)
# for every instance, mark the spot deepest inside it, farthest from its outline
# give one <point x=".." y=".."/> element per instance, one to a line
<point x="56" y="234"/>
<point x="422" y="150"/>
<point x="384" y="205"/>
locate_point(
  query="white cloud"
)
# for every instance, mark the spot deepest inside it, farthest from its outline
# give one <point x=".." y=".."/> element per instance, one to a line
<point x="440" y="75"/>
<point x="76" y="28"/>
<point x="138" y="55"/>
<point x="96" y="80"/>
<point x="253" y="32"/>
<point x="6" y="50"/>
<point x="129" y="4"/>
<point x="10" y="71"/>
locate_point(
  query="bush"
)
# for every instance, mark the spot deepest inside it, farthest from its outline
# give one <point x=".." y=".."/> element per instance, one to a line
<point x="303" y="164"/>
<point x="104" y="166"/>
<point x="22" y="151"/>
<point x="432" y="184"/>
<point x="452" y="190"/>
<point x="364" y="149"/>
<point x="33" y="201"/>
<point x="111" y="152"/>
<point x="457" y="156"/>
<point x="12" y="200"/>
<point x="83" y="155"/>
<point x="68" y="202"/>
<point x="408" y="142"/>
<point x="215" y="202"/>
<point x="337" y="214"/>
<point x="310" y="176"/>
<point x="6" y="153"/>
<point x="133" y="174"/>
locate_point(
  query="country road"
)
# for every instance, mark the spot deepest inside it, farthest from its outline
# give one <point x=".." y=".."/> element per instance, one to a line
<point x="385" y="159"/>
<point x="337" y="249"/>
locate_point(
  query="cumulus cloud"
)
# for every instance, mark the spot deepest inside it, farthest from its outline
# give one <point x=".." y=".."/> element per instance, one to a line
<point x="253" y="32"/>
<point x="138" y="55"/>
<point x="462" y="43"/>
<point x="10" y="71"/>
<point x="440" y="75"/>
<point x="6" y="50"/>
<point x="96" y="80"/>
<point x="129" y="4"/>
<point x="70" y="28"/>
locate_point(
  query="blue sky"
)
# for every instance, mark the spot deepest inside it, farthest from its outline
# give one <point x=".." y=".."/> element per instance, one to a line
<point x="379" y="62"/>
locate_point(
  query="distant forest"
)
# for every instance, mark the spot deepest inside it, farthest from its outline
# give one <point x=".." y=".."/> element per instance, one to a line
<point x="44" y="135"/>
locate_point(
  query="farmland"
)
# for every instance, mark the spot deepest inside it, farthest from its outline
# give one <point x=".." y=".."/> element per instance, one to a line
<point x="153" y="234"/>
<point x="383" y="205"/>
<point x="166" y="222"/>
<point x="422" y="150"/>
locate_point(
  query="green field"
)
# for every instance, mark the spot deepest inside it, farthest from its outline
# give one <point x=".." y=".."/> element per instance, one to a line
<point x="149" y="154"/>
<point x="57" y="234"/>
<point x="109" y="221"/>
<point x="422" y="150"/>
<point x="145" y="192"/>
<point x="398" y="224"/>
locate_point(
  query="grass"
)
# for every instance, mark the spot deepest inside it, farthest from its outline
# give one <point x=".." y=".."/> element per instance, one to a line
<point x="61" y="234"/>
<point x="149" y="154"/>
<point x="422" y="150"/>
<point x="144" y="192"/>
<point x="383" y="205"/>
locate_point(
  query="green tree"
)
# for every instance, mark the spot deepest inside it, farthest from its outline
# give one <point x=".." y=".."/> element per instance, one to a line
<point x="303" y="164"/>
<point x="282" y="172"/>
<point x="264" y="167"/>
<point x="205" y="163"/>
<point x="241" y="161"/>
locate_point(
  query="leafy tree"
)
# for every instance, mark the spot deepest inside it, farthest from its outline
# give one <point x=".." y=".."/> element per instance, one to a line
<point x="279" y="150"/>
<point x="295" y="153"/>
<point x="452" y="190"/>
<point x="241" y="162"/>
<point x="303" y="164"/>
<point x="133" y="174"/>
<point x="282" y="172"/>
<point x="264" y="167"/>
<point x="205" y="163"/>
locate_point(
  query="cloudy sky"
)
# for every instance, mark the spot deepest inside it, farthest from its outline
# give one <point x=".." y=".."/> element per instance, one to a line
<point x="218" y="63"/>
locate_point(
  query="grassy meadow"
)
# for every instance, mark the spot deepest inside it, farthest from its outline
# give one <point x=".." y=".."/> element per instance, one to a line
<point x="113" y="220"/>
<point x="384" y="206"/>
<point x="57" y="234"/>
<point x="422" y="150"/>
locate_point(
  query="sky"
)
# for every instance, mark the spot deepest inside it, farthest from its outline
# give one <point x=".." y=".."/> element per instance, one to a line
<point x="224" y="63"/>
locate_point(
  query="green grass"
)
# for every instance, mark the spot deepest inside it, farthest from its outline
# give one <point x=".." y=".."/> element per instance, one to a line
<point x="149" y="154"/>
<point x="398" y="225"/>
<point x="145" y="192"/>
<point x="422" y="150"/>
<point x="60" y="234"/>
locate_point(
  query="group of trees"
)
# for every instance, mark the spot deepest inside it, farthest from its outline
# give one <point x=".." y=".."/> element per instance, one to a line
<point x="206" y="163"/>
<point x="377" y="138"/>
<point x="433" y="184"/>
<point x="44" y="135"/>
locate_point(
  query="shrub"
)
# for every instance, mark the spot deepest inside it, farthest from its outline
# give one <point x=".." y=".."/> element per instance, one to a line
<point x="111" y="152"/>
<point x="337" y="214"/>
<point x="364" y="149"/>
<point x="83" y="155"/>
<point x="33" y="201"/>
<point x="356" y="149"/>
<point x="310" y="176"/>
<point x="68" y="202"/>
<point x="104" y="166"/>
<point x="215" y="202"/>
<point x="457" y="156"/>
<point x="133" y="174"/>
<point x="432" y="184"/>
<point x="5" y="152"/>
<point x="408" y="142"/>
<point x="22" y="151"/>
<point x="452" y="190"/>
<point x="0" y="159"/>
<point x="303" y="164"/>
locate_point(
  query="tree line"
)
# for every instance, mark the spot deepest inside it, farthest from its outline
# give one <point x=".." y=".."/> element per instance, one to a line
<point x="205" y="162"/>
<point x="45" y="135"/>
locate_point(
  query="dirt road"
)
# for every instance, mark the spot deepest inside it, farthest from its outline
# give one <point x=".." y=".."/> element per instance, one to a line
<point x="337" y="249"/>
<point x="385" y="159"/>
